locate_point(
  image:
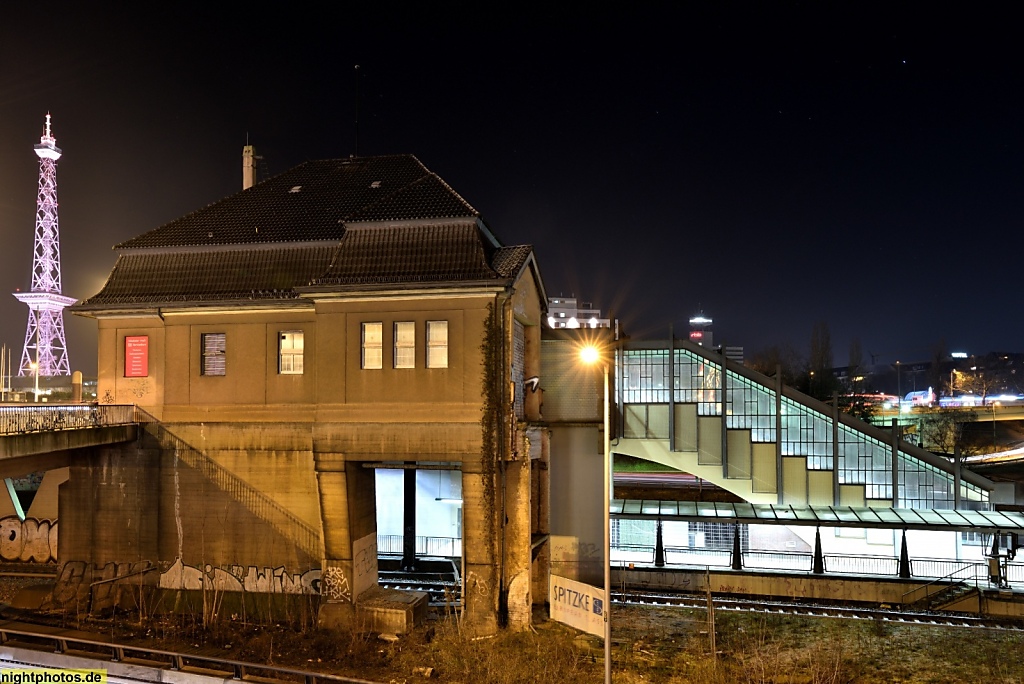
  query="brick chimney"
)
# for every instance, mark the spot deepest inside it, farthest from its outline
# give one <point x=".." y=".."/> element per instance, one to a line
<point x="248" y="167"/>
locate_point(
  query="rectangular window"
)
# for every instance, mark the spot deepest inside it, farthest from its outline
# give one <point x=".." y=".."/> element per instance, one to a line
<point x="405" y="344"/>
<point x="373" y="345"/>
<point x="437" y="344"/>
<point x="214" y="354"/>
<point x="289" y="352"/>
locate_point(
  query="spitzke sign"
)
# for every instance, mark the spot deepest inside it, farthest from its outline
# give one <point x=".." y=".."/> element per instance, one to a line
<point x="577" y="604"/>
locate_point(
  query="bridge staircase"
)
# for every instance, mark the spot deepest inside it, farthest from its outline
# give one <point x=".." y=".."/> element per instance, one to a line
<point x="751" y="470"/>
<point x="305" y="536"/>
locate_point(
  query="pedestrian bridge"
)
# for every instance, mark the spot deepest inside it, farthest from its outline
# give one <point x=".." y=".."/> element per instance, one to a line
<point x="694" y="410"/>
<point x="42" y="437"/>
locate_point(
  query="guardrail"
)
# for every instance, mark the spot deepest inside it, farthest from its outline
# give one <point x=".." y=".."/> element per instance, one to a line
<point x="448" y="547"/>
<point x="172" y="660"/>
<point x="22" y="419"/>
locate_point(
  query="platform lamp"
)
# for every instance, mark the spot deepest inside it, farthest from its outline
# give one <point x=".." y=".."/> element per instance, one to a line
<point x="591" y="355"/>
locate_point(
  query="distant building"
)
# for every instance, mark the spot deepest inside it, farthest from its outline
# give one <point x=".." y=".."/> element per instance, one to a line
<point x="567" y="312"/>
<point x="700" y="332"/>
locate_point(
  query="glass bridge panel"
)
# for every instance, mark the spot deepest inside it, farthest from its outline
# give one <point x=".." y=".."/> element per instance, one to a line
<point x="651" y="378"/>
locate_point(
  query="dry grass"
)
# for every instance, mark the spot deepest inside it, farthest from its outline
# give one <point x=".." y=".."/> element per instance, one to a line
<point x="651" y="645"/>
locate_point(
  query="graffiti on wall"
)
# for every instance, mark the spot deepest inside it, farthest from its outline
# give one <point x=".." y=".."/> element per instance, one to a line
<point x="264" y="580"/>
<point x="102" y="587"/>
<point x="335" y="585"/>
<point x="84" y="584"/>
<point x="28" y="540"/>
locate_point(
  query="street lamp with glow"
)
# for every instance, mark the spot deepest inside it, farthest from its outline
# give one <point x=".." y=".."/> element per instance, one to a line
<point x="591" y="355"/>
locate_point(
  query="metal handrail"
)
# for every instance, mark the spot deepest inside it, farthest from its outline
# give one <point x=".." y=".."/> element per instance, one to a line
<point x="259" y="504"/>
<point x="16" y="420"/>
<point x="175" y="660"/>
<point x="945" y="578"/>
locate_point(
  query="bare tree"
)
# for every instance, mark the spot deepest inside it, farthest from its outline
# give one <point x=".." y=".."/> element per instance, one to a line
<point x="767" y="360"/>
<point x="821" y="348"/>
<point x="942" y="430"/>
<point x="855" y="366"/>
<point x="977" y="380"/>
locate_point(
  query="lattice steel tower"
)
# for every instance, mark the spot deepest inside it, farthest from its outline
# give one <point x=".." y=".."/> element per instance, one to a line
<point x="44" y="336"/>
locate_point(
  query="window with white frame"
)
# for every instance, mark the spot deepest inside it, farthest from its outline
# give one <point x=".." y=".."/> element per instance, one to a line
<point x="289" y="352"/>
<point x="437" y="344"/>
<point x="214" y="350"/>
<point x="373" y="346"/>
<point x="405" y="344"/>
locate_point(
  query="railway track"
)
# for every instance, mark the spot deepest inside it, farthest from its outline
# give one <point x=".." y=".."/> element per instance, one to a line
<point x="775" y="607"/>
<point x="448" y="594"/>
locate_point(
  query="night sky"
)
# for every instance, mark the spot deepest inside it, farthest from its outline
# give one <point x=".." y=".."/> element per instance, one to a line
<point x="774" y="165"/>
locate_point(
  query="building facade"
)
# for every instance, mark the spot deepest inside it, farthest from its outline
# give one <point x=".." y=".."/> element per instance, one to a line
<point x="290" y="339"/>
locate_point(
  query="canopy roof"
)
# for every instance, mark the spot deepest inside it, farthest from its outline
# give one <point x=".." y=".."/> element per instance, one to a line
<point x="825" y="516"/>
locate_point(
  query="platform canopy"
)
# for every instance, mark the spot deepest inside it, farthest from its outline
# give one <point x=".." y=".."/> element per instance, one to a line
<point x="936" y="520"/>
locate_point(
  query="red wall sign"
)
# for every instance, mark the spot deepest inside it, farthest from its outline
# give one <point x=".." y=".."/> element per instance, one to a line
<point x="136" y="356"/>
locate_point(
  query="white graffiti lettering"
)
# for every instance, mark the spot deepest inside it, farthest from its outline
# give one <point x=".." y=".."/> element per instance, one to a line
<point x="252" y="579"/>
<point x="335" y="585"/>
<point x="29" y="540"/>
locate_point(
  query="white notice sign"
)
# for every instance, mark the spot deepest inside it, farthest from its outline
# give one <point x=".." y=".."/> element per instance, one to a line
<point x="577" y="604"/>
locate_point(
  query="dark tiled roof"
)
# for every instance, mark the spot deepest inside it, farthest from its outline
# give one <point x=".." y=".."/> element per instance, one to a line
<point x="312" y="201"/>
<point x="324" y="224"/>
<point x="410" y="254"/>
<point x="153" y="278"/>
<point x="508" y="261"/>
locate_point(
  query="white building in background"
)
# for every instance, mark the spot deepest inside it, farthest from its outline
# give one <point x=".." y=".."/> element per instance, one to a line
<point x="567" y="312"/>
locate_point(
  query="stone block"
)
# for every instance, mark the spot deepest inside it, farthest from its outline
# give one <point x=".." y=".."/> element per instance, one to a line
<point x="391" y="611"/>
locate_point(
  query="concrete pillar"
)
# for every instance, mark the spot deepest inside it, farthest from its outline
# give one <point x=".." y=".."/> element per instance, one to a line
<point x="409" y="518"/>
<point x="517" y="555"/>
<point x="76" y="387"/>
<point x="349" y="512"/>
<point x="541" y="499"/>
<point x="481" y="541"/>
<point x="109" y="527"/>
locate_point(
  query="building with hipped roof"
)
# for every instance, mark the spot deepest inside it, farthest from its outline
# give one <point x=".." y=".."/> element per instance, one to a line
<point x="343" y="316"/>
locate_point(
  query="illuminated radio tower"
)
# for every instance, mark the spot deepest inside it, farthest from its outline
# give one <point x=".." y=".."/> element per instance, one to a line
<point x="45" y="353"/>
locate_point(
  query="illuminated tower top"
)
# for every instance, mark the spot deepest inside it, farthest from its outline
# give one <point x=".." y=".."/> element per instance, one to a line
<point x="47" y="147"/>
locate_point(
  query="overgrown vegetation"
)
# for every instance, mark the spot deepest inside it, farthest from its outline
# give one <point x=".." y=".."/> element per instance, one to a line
<point x="659" y="645"/>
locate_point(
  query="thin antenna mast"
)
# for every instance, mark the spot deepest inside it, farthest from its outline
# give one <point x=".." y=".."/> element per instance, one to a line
<point x="357" y="110"/>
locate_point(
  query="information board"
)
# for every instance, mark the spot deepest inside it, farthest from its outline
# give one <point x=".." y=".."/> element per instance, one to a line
<point x="136" y="356"/>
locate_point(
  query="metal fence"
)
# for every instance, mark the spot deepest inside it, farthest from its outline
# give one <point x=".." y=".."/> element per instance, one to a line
<point x="882" y="566"/>
<point x="22" y="419"/>
<point x="447" y="547"/>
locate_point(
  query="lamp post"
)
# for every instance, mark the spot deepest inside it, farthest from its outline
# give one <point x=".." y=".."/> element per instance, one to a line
<point x="35" y="371"/>
<point x="590" y="356"/>
<point x="899" y="389"/>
